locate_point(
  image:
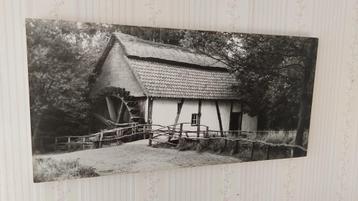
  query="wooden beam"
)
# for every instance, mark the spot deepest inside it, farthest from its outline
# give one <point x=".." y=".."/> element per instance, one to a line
<point x="252" y="151"/>
<point x="241" y="115"/>
<point x="111" y="110"/>
<point x="231" y="109"/>
<point x="120" y="112"/>
<point x="219" y="118"/>
<point x="199" y="117"/>
<point x="180" y="105"/>
<point x="181" y="130"/>
<point x="150" y="110"/>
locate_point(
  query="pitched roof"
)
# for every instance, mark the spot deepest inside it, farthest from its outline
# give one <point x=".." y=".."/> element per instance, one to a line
<point x="177" y="81"/>
<point x="137" y="47"/>
<point x="160" y="70"/>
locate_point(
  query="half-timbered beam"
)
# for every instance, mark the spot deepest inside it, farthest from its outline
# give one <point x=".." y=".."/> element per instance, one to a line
<point x="199" y="117"/>
<point x="180" y="105"/>
<point x="150" y="110"/>
<point x="219" y="118"/>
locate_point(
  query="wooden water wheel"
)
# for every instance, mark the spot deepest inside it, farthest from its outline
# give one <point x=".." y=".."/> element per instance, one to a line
<point x="114" y="107"/>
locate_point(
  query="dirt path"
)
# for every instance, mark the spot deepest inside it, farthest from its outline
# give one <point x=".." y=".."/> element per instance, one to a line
<point x="138" y="157"/>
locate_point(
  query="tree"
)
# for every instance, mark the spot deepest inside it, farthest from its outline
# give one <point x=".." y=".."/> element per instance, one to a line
<point x="274" y="73"/>
<point x="61" y="58"/>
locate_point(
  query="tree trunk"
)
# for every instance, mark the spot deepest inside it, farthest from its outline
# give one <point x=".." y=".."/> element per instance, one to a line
<point x="309" y="65"/>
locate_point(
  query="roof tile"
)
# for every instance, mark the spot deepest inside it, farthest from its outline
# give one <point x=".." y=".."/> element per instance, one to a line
<point x="177" y="81"/>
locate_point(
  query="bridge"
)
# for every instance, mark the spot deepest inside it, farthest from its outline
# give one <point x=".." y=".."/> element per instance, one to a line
<point x="170" y="135"/>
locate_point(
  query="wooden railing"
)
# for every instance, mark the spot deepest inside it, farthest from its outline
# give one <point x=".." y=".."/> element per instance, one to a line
<point x="129" y="132"/>
<point x="255" y="138"/>
<point x="170" y="135"/>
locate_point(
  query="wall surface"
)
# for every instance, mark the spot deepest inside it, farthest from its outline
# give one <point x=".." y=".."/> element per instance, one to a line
<point x="115" y="72"/>
<point x="328" y="173"/>
<point x="165" y="111"/>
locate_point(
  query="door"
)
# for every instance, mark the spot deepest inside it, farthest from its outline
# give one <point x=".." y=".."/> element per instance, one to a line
<point x="235" y="121"/>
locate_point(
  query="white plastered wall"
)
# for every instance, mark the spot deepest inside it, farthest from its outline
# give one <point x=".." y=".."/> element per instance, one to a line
<point x="165" y="111"/>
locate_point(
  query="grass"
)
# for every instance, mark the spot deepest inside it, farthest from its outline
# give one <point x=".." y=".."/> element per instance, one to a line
<point x="283" y="137"/>
<point x="243" y="150"/>
<point x="50" y="170"/>
<point x="130" y="157"/>
<point x="200" y="145"/>
<point x="279" y="138"/>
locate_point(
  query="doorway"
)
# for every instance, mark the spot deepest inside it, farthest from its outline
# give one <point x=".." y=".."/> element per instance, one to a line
<point x="235" y="121"/>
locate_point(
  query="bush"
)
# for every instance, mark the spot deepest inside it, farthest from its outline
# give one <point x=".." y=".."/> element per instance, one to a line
<point x="186" y="144"/>
<point x="217" y="145"/>
<point x="204" y="144"/>
<point x="280" y="137"/>
<point x="49" y="170"/>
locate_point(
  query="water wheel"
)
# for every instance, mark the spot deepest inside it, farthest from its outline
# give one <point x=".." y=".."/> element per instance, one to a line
<point x="116" y="107"/>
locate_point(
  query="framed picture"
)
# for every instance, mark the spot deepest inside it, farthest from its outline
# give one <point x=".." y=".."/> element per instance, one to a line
<point x="108" y="99"/>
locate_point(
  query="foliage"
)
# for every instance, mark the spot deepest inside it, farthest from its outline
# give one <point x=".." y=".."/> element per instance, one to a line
<point x="274" y="73"/>
<point x="51" y="170"/>
<point x="60" y="59"/>
<point x="280" y="137"/>
<point x="160" y="35"/>
<point x="269" y="69"/>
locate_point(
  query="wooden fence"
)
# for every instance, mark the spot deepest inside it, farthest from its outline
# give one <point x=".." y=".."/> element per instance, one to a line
<point x="170" y="135"/>
<point x="128" y="132"/>
<point x="254" y="138"/>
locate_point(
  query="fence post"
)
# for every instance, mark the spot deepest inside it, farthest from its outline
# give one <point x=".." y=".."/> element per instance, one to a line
<point x="181" y="130"/>
<point x="170" y="134"/>
<point x="55" y="143"/>
<point x="117" y="136"/>
<point x="100" y="140"/>
<point x="207" y="132"/>
<point x="225" y="144"/>
<point x="68" y="143"/>
<point x="150" y="139"/>
<point x="236" y="147"/>
<point x="268" y="152"/>
<point x="252" y="150"/>
<point x="83" y="142"/>
<point x="144" y="132"/>
<point x="291" y="152"/>
<point x="181" y="143"/>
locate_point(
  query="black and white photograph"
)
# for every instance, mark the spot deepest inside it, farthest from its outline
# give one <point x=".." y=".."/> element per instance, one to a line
<point x="114" y="99"/>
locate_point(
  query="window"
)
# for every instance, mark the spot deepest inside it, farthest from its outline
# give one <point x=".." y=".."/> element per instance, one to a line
<point x="195" y="119"/>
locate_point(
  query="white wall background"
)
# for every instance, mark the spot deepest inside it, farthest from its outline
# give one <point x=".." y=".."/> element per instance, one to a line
<point x="329" y="173"/>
